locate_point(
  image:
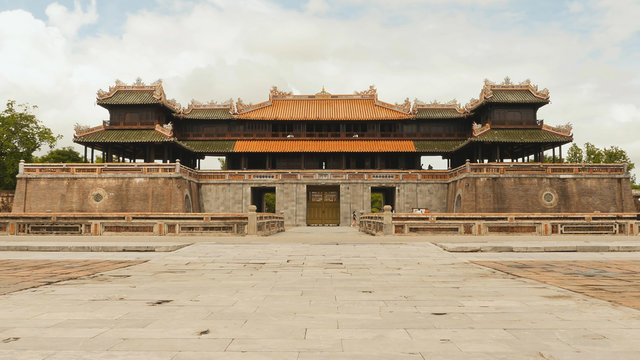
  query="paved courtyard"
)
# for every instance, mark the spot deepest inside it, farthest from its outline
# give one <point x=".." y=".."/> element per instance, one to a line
<point x="320" y="293"/>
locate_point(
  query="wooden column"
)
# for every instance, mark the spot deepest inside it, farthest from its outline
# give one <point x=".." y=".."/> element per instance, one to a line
<point x="560" y="152"/>
<point x="109" y="154"/>
<point x="85" y="153"/>
<point x="553" y="155"/>
<point x="92" y="155"/>
<point x="152" y="153"/>
<point x="165" y="155"/>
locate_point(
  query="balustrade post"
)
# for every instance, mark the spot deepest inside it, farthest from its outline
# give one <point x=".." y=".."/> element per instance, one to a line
<point x="177" y="166"/>
<point x="21" y="167"/>
<point x="387" y="222"/>
<point x="467" y="166"/>
<point x="252" y="221"/>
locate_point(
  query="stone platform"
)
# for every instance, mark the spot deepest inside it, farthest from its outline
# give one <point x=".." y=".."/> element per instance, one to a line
<point x="325" y="293"/>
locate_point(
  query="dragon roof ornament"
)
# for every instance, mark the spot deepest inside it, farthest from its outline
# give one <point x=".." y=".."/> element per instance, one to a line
<point x="211" y="105"/>
<point x="139" y="85"/>
<point x="241" y="106"/>
<point x="452" y="104"/>
<point x="274" y="92"/>
<point x="371" y="91"/>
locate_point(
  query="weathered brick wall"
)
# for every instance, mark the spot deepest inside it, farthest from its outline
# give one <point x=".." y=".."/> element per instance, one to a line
<point x="105" y="194"/>
<point x="171" y="192"/>
<point x="541" y="194"/>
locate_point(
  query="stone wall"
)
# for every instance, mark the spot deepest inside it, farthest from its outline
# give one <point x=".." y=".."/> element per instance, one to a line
<point x="473" y="188"/>
<point x="291" y="197"/>
<point x="105" y="194"/>
<point x="540" y="194"/>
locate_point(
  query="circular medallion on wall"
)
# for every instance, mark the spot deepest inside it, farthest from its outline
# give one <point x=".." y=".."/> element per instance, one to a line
<point x="97" y="196"/>
<point x="548" y="197"/>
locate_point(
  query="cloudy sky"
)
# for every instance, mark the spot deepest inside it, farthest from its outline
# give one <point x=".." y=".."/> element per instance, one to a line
<point x="56" y="54"/>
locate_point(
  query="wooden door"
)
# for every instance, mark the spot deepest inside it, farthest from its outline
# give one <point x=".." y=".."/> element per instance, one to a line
<point x="323" y="205"/>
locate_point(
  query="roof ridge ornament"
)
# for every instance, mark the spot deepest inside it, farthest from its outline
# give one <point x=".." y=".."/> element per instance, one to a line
<point x="507" y="84"/>
<point x="241" y="106"/>
<point x="323" y="93"/>
<point x="275" y="92"/>
<point x="435" y="104"/>
<point x="405" y="106"/>
<point x="139" y="85"/>
<point x="211" y="104"/>
<point x="371" y="91"/>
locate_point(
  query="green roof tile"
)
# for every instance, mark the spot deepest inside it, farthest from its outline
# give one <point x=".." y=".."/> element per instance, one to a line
<point x="123" y="136"/>
<point x="515" y="96"/>
<point x="209" y="146"/>
<point x="130" y="97"/>
<point x="521" y="136"/>
<point x="209" y="114"/>
<point x="438" y="146"/>
<point x="434" y="113"/>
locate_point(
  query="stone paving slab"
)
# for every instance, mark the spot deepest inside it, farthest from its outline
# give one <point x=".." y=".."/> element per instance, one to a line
<point x="346" y="298"/>
<point x="614" y="281"/>
<point x="89" y="246"/>
<point x="531" y="246"/>
<point x="18" y="275"/>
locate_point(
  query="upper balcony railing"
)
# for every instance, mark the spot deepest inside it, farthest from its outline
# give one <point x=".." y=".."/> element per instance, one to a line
<point x="318" y="135"/>
<point x="489" y="169"/>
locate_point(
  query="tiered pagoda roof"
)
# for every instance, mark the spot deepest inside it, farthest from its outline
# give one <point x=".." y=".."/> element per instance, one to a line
<point x="323" y="106"/>
<point x="138" y="93"/>
<point x="363" y="105"/>
<point x="509" y="93"/>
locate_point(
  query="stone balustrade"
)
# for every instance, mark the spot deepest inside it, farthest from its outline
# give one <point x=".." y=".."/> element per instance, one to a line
<point x="500" y="224"/>
<point x="169" y="224"/>
<point x="341" y="175"/>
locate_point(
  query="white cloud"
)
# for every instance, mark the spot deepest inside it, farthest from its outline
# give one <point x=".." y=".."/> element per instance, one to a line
<point x="576" y="6"/>
<point x="619" y="20"/>
<point x="69" y="21"/>
<point x="317" y="6"/>
<point x="229" y="49"/>
<point x="625" y="113"/>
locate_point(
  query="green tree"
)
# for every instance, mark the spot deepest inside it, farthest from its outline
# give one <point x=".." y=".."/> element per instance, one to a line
<point x="21" y="134"/>
<point x="575" y="155"/>
<point x="270" y="202"/>
<point x="376" y="202"/>
<point x="64" y="155"/>
<point x="223" y="163"/>
<point x="592" y="154"/>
